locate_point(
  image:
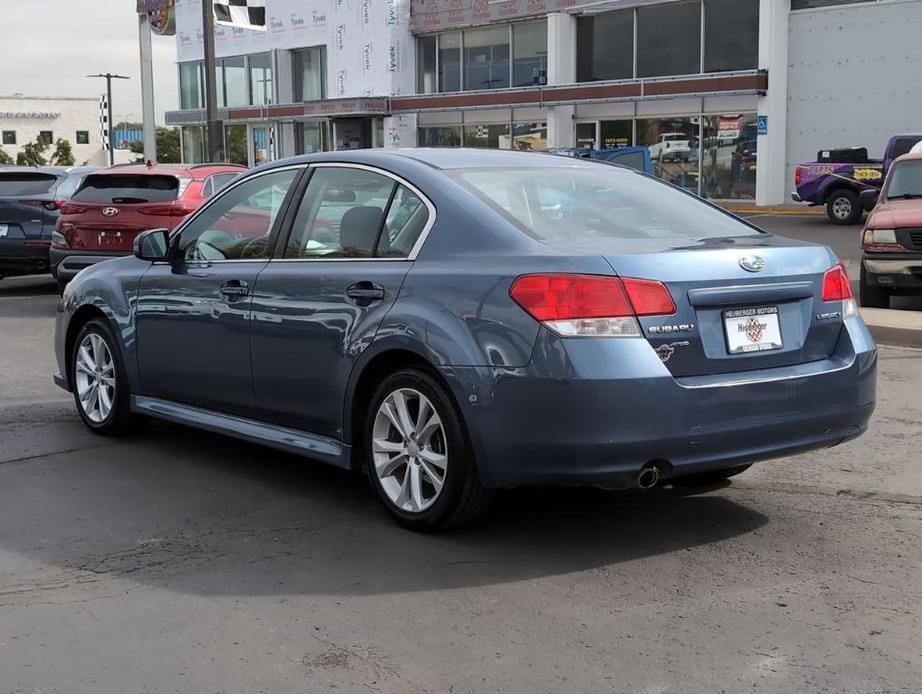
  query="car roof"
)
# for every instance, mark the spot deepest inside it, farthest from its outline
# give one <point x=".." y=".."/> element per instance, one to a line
<point x="52" y="170"/>
<point x="440" y="158"/>
<point x="169" y="169"/>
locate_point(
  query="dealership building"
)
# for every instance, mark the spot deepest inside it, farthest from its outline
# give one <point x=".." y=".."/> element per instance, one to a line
<point x="728" y="95"/>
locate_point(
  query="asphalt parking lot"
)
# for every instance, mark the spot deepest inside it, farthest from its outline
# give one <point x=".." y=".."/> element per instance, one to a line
<point x="179" y="561"/>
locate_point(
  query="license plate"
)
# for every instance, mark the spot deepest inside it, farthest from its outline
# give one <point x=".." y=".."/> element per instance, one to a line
<point x="752" y="329"/>
<point x="4" y="230"/>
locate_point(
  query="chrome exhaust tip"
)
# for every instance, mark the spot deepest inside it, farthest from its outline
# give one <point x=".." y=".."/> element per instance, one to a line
<point x="648" y="477"/>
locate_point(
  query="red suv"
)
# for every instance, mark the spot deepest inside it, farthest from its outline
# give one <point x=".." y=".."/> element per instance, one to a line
<point x="113" y="206"/>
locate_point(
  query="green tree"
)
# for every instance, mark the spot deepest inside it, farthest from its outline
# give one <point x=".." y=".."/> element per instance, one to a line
<point x="167" y="146"/>
<point x="5" y="158"/>
<point x="63" y="154"/>
<point x="32" y="153"/>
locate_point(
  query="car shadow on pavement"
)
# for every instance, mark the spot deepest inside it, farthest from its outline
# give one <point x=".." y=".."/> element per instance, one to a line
<point x="201" y="514"/>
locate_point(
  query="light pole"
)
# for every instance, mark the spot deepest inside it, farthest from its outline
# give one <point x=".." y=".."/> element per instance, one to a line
<point x="109" y="77"/>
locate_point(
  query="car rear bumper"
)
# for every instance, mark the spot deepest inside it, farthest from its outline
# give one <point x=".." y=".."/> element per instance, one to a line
<point x="795" y="196"/>
<point x="571" y="418"/>
<point x="897" y="271"/>
<point x="65" y="264"/>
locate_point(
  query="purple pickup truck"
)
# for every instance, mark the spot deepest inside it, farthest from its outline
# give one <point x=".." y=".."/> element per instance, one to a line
<point x="838" y="176"/>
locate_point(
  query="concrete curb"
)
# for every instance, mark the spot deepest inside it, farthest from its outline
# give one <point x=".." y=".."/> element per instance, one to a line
<point x="784" y="210"/>
<point x="898" y="328"/>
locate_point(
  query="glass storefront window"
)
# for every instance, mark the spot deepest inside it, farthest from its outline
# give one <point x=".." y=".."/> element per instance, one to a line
<point x="261" y="78"/>
<point x="309" y="74"/>
<point x="235" y="144"/>
<point x="529" y="54"/>
<point x="669" y="39"/>
<point x="605" y="46"/>
<point x="486" y="58"/>
<point x="615" y="133"/>
<point x="313" y="137"/>
<point x="260" y="139"/>
<point x="193" y="144"/>
<point x="731" y="35"/>
<point x="439" y="136"/>
<point x="235" y="81"/>
<point x="191" y="89"/>
<point x="673" y="145"/>
<point x="729" y="156"/>
<point x="585" y="135"/>
<point x="450" y="62"/>
<point x="425" y="65"/>
<point x="488" y="136"/>
<point x="527" y="136"/>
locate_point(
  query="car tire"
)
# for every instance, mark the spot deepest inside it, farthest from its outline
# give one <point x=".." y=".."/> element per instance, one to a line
<point x="844" y="207"/>
<point x="705" y="479"/>
<point x="95" y="363"/>
<point x="871" y="295"/>
<point x="419" y="456"/>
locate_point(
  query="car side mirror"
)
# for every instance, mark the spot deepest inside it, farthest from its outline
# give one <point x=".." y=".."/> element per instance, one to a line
<point x="152" y="245"/>
<point x="869" y="199"/>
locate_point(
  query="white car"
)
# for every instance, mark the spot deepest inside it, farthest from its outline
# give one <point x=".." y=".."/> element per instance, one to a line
<point x="916" y="148"/>
<point x="671" y="146"/>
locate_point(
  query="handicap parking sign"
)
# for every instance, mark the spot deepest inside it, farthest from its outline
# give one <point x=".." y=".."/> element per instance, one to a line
<point x="763" y="125"/>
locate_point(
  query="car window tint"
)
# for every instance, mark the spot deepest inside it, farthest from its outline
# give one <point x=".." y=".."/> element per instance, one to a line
<point x="634" y="160"/>
<point x="25" y="183"/>
<point x="585" y="203"/>
<point x="340" y="215"/>
<point x="127" y="188"/>
<point x="217" y="182"/>
<point x="406" y="218"/>
<point x="238" y="223"/>
<point x="906" y="180"/>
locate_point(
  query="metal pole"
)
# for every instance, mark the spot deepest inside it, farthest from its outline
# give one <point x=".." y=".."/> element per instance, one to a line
<point x="148" y="114"/>
<point x="214" y="126"/>
<point x="111" y="124"/>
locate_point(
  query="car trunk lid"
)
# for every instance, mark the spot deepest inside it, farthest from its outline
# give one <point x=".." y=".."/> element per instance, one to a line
<point x="25" y="198"/>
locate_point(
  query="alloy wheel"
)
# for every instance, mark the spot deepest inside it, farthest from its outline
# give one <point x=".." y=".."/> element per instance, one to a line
<point x="842" y="208"/>
<point x="94" y="375"/>
<point x="409" y="450"/>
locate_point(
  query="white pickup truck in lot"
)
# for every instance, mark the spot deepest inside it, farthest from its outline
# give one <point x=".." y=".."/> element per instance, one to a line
<point x="671" y="147"/>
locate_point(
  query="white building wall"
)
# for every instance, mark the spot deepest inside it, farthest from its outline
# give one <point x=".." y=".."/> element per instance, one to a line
<point x="854" y="77"/>
<point x="27" y="115"/>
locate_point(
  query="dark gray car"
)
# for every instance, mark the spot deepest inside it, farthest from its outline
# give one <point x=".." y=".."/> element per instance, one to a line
<point x="454" y="321"/>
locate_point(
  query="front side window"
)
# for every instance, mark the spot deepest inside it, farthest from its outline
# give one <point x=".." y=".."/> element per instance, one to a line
<point x="238" y="223"/>
<point x="905" y="180"/>
<point x="216" y="182"/>
<point x="593" y="202"/>
<point x="341" y="215"/>
<point x="669" y="39"/>
<point x="486" y="58"/>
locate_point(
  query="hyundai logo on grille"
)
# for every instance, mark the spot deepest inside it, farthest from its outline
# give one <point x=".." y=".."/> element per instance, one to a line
<point x="110" y="211"/>
<point x="752" y="263"/>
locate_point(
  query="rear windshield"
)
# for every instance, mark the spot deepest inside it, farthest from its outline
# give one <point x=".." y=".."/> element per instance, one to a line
<point x="598" y="202"/>
<point x="905" y="180"/>
<point x="127" y="188"/>
<point x="25" y="183"/>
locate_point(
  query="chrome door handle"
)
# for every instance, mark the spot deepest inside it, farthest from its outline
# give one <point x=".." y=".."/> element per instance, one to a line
<point x="234" y="288"/>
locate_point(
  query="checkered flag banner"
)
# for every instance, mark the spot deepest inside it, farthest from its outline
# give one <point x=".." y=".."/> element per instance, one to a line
<point x="104" y="121"/>
<point x="247" y="14"/>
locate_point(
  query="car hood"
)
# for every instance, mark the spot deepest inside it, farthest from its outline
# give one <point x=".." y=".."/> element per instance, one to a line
<point x="895" y="214"/>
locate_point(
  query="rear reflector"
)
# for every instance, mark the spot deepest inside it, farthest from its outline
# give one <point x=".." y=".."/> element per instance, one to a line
<point x="590" y="305"/>
<point x="836" y="286"/>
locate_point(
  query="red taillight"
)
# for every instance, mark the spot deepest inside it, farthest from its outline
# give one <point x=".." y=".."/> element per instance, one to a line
<point x="157" y="210"/>
<point x="836" y="286"/>
<point x="72" y="208"/>
<point x="798" y="175"/>
<point x="553" y="298"/>
<point x="54" y="205"/>
<point x="181" y="209"/>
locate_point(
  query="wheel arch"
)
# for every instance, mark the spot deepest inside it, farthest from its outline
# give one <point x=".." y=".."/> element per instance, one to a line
<point x="83" y="315"/>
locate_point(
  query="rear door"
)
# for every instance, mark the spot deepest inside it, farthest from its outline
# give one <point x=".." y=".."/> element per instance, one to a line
<point x="110" y="210"/>
<point x="24" y="216"/>
<point x="193" y="312"/>
<point x="318" y="305"/>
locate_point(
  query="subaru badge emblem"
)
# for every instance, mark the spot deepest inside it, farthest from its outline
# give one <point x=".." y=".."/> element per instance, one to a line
<point x="110" y="211"/>
<point x="752" y="263"/>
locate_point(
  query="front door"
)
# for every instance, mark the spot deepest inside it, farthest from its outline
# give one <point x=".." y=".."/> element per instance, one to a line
<point x="316" y="308"/>
<point x="193" y="313"/>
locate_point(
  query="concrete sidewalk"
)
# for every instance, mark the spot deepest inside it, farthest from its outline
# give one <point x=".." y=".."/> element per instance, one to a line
<point x="901" y="328"/>
<point x="749" y="208"/>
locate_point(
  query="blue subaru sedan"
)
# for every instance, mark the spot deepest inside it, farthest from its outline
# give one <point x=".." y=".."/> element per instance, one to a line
<point x="453" y="321"/>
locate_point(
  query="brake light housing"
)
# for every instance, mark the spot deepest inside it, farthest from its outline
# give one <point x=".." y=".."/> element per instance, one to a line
<point x="575" y="305"/>
<point x="836" y="285"/>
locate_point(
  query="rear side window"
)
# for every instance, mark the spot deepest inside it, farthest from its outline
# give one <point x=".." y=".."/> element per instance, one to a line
<point x="217" y="182"/>
<point x="127" y="189"/>
<point x="67" y="187"/>
<point x="25" y="183"/>
<point x="903" y="145"/>
<point x="588" y="203"/>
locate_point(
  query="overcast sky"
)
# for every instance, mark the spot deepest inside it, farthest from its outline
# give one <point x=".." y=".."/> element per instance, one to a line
<point x="50" y="45"/>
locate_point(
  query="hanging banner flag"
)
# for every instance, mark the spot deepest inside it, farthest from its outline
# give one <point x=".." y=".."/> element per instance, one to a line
<point x="104" y="121"/>
<point x="245" y="14"/>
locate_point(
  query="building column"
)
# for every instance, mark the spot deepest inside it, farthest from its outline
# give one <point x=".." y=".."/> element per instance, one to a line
<point x="771" y="183"/>
<point x="561" y="69"/>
